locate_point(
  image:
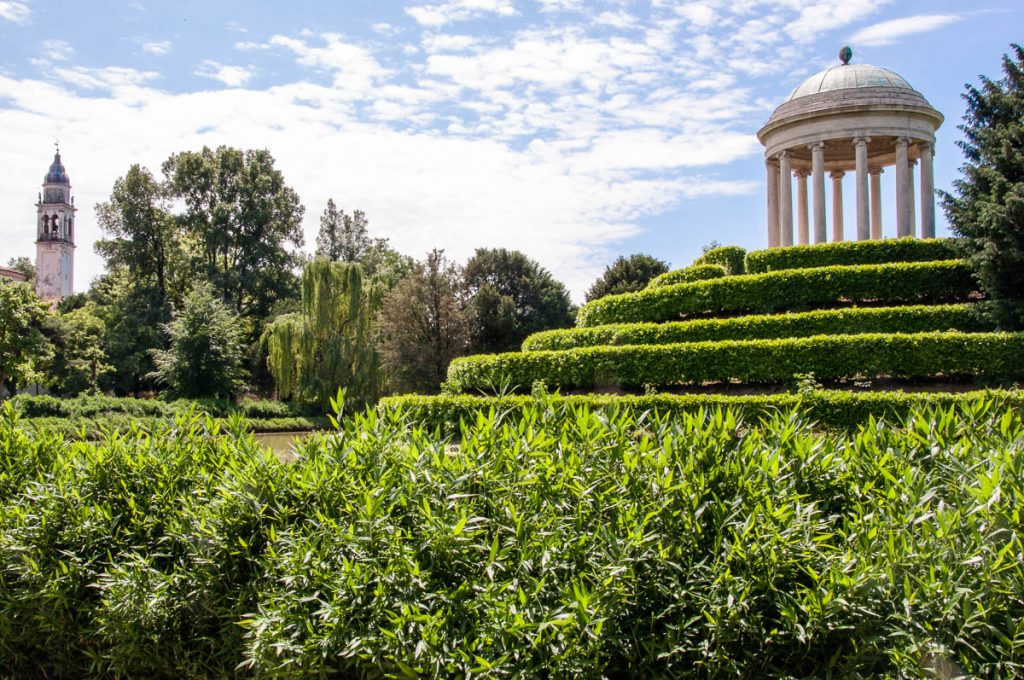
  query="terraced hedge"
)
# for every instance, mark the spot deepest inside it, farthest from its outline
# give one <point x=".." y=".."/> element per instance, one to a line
<point x="847" y="321"/>
<point x="851" y="253"/>
<point x="834" y="409"/>
<point x="753" y="361"/>
<point x="730" y="257"/>
<point x="698" y="272"/>
<point x="945" y="281"/>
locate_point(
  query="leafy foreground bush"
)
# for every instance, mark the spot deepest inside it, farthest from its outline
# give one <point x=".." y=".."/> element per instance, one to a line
<point x="567" y="543"/>
<point x="697" y="272"/>
<point x="853" y="253"/>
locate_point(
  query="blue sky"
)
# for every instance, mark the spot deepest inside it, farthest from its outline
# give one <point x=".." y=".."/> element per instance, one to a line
<point x="574" y="131"/>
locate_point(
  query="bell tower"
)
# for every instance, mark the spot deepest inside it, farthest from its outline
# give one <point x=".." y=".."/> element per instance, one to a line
<point x="55" y="234"/>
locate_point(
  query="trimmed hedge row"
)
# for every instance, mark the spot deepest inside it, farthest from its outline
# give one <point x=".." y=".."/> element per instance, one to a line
<point x="945" y="281"/>
<point x="697" y="272"/>
<point x="851" y="253"/>
<point x="95" y="427"/>
<point x="758" y="361"/>
<point x="89" y="406"/>
<point x="837" y="409"/>
<point x="730" y="257"/>
<point x="847" y="321"/>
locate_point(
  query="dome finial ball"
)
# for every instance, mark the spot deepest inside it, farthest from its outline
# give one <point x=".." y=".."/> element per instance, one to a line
<point x="845" y="55"/>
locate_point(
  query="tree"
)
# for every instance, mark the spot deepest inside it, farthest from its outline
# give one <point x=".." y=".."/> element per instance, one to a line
<point x="24" y="348"/>
<point x="144" y="237"/>
<point x="81" y="362"/>
<point x="342" y="237"/>
<point x="626" y="274"/>
<point x="207" y="348"/>
<point x="511" y="296"/>
<point x="24" y="265"/>
<point x="329" y="344"/>
<point x="240" y="217"/>
<point x="988" y="208"/>
<point x="423" y="325"/>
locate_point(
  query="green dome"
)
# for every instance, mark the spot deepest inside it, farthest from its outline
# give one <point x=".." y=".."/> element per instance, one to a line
<point x="849" y="77"/>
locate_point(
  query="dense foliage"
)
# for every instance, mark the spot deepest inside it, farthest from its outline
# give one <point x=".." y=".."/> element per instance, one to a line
<point x="625" y="275"/>
<point x="829" y="409"/>
<point x="206" y="353"/>
<point x="697" y="272"/>
<point x="24" y="348"/>
<point x="559" y="543"/>
<point x="422" y="325"/>
<point x="510" y="297"/>
<point x="868" y="355"/>
<point x="795" y="290"/>
<point x="852" y="253"/>
<point x="844" y="321"/>
<point x="342" y="237"/>
<point x="988" y="206"/>
<point x="329" y="344"/>
<point x="730" y="257"/>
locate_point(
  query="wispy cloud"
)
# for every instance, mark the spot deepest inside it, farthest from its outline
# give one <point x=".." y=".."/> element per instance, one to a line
<point x="232" y="76"/>
<point x="459" y="10"/>
<point x="157" y="47"/>
<point x="889" y="32"/>
<point x="16" y="11"/>
<point x="825" y="15"/>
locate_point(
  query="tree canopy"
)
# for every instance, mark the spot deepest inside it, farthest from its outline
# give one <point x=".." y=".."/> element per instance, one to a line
<point x="24" y="347"/>
<point x="626" y="274"/>
<point x="207" y="348"/>
<point x="987" y="208"/>
<point x="423" y="325"/>
<point x="510" y="297"/>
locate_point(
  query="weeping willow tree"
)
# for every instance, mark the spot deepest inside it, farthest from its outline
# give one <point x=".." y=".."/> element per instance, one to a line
<point x="329" y="344"/>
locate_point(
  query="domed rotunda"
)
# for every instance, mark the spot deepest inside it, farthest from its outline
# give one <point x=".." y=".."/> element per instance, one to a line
<point x="849" y="118"/>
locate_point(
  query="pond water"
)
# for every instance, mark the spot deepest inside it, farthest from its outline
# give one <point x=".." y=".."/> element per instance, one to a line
<point x="282" y="443"/>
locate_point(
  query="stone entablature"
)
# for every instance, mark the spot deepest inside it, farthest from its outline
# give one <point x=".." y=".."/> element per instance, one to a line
<point x="858" y="121"/>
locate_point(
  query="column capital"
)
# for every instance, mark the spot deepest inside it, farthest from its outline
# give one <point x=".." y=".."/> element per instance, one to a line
<point x="857" y="141"/>
<point x="902" y="141"/>
<point x="927" y="146"/>
<point x="783" y="154"/>
<point x="816" y="145"/>
<point x="837" y="174"/>
<point x="801" y="174"/>
<point x="876" y="171"/>
<point x="771" y="162"/>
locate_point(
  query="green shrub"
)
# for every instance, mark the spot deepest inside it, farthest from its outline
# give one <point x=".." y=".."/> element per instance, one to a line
<point x="698" y="272"/>
<point x="832" y="409"/>
<point x="846" y="321"/>
<point x="89" y="406"/>
<point x="852" y="253"/>
<point x="730" y="257"/>
<point x="919" y="355"/>
<point x="794" y="290"/>
<point x="553" y="542"/>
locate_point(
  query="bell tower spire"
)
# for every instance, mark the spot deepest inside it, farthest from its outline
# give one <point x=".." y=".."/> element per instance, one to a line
<point x="55" y="233"/>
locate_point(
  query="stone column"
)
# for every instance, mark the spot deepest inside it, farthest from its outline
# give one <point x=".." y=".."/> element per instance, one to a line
<point x="903" y="227"/>
<point x="927" y="191"/>
<point x="912" y="203"/>
<point x="785" y="199"/>
<point x="876" y="203"/>
<point x="818" y="174"/>
<point x="863" y="217"/>
<point x="803" y="232"/>
<point x="837" y="205"/>
<point x="772" y="166"/>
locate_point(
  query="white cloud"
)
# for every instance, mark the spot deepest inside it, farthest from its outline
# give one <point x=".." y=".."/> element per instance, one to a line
<point x="107" y="78"/>
<point x="232" y="76"/>
<point x="560" y="5"/>
<point x="459" y="10"/>
<point x="698" y="14"/>
<point x="825" y="15"/>
<point x="16" y="11"/>
<point x="618" y="19"/>
<point x="442" y="42"/>
<point x="157" y="47"/>
<point x="355" y="68"/>
<point x="56" y="50"/>
<point x="889" y="32"/>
